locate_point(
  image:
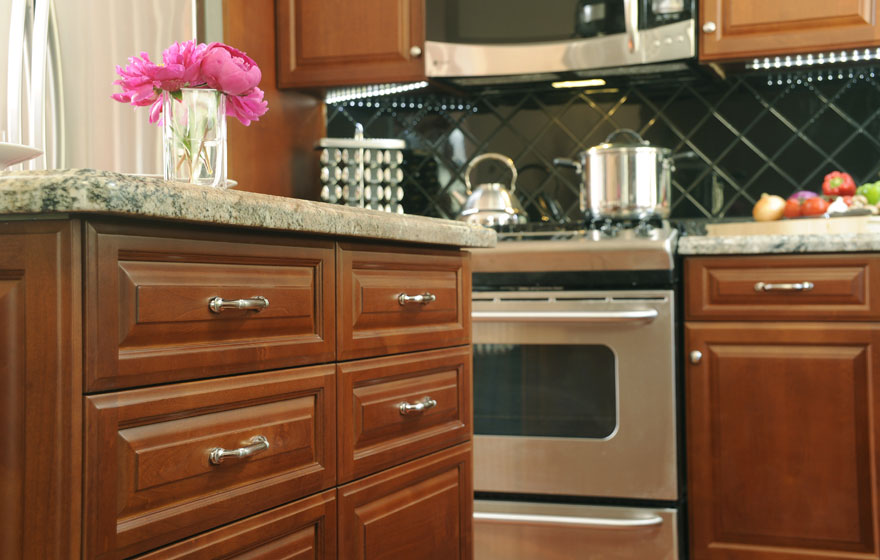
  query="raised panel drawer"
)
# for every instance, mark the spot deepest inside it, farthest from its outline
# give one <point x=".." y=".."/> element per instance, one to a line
<point x="373" y="317"/>
<point x="790" y="287"/>
<point x="375" y="432"/>
<point x="421" y="509"/>
<point x="303" y="530"/>
<point x="149" y="476"/>
<point x="147" y="313"/>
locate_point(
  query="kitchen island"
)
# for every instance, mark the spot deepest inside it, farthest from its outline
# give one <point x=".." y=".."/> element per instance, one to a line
<point x="194" y="371"/>
<point x="782" y="346"/>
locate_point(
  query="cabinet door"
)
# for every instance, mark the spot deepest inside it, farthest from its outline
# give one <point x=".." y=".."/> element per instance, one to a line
<point x="757" y="28"/>
<point x="422" y="509"/>
<point x="40" y="373"/>
<point x="338" y="42"/>
<point x="782" y="428"/>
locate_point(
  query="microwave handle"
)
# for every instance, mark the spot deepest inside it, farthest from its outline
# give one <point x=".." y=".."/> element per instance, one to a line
<point x="631" y="21"/>
<point x="633" y="316"/>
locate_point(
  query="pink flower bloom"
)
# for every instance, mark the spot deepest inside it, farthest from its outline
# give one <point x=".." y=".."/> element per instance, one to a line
<point x="187" y="57"/>
<point x="247" y="108"/>
<point x="229" y="70"/>
<point x="137" y="80"/>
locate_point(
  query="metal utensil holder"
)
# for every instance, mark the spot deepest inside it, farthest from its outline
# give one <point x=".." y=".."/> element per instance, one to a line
<point x="362" y="172"/>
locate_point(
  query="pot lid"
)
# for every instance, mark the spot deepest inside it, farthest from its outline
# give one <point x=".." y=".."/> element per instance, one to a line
<point x="636" y="142"/>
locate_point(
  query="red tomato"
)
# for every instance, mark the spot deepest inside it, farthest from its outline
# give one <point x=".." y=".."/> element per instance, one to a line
<point x="792" y="208"/>
<point x="814" y="206"/>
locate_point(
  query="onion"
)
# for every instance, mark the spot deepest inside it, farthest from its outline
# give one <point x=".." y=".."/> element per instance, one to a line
<point x="801" y="196"/>
<point x="770" y="207"/>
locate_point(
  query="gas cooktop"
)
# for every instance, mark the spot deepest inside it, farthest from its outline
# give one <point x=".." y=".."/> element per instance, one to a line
<point x="616" y="247"/>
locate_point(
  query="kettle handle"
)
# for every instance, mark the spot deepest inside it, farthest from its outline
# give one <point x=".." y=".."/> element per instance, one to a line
<point x="491" y="155"/>
<point x="629" y="131"/>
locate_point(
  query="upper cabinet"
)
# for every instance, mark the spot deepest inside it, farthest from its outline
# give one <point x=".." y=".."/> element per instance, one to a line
<point x="324" y="43"/>
<point x="756" y="28"/>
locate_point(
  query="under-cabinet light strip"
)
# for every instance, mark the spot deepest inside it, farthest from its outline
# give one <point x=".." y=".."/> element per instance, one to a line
<point x="801" y="60"/>
<point x="342" y="95"/>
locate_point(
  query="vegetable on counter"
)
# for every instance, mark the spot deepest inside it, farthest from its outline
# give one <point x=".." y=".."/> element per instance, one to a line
<point x="838" y="183"/>
<point x="768" y="208"/>
<point x="871" y="192"/>
<point x="801" y="196"/>
<point x="814" y="206"/>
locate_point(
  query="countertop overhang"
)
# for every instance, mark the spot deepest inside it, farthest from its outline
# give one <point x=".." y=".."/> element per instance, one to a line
<point x="89" y="191"/>
<point x="779" y="244"/>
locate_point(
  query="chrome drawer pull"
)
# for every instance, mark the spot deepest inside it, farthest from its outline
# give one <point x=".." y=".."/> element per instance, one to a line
<point x="796" y="287"/>
<point x="218" y="304"/>
<point x="423" y="299"/>
<point x="570" y="521"/>
<point x="258" y="443"/>
<point x="421" y="406"/>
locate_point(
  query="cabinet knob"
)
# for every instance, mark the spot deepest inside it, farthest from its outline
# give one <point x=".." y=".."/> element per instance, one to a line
<point x="696" y="356"/>
<point x="415" y="51"/>
<point x="709" y="27"/>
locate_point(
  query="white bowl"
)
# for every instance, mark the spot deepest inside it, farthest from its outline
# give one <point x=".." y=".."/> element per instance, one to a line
<point x="10" y="154"/>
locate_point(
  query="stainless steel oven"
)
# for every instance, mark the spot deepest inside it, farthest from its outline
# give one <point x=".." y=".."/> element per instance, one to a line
<point x="575" y="446"/>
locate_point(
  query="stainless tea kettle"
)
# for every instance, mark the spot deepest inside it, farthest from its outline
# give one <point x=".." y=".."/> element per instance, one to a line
<point x="492" y="204"/>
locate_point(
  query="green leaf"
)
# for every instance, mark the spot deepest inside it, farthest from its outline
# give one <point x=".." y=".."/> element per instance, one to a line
<point x="178" y="95"/>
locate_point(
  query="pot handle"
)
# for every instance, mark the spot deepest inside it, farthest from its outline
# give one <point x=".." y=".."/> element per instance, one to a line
<point x="565" y="162"/>
<point x="491" y="155"/>
<point x="629" y="131"/>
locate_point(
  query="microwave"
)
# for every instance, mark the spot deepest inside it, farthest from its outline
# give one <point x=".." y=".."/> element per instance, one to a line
<point x="497" y="41"/>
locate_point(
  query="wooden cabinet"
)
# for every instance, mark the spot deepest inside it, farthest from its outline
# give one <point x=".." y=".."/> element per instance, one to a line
<point x="422" y="509"/>
<point x="743" y="29"/>
<point x="139" y="421"/>
<point x="322" y="43"/>
<point x="782" y="413"/>
<point x="41" y="375"/>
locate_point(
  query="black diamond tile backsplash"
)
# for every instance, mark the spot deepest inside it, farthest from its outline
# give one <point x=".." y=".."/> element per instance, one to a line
<point x="750" y="134"/>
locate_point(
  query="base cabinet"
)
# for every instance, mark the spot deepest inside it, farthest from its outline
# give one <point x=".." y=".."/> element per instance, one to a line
<point x="783" y="421"/>
<point x="174" y="392"/>
<point x="422" y="509"/>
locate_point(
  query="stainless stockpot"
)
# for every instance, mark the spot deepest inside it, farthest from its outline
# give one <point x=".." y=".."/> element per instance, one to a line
<point x="624" y="180"/>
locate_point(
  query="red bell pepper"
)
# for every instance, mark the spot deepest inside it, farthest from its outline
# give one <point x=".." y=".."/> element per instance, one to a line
<point x="837" y="183"/>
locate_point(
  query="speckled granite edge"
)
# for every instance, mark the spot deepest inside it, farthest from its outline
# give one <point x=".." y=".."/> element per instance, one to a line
<point x="104" y="192"/>
<point x="775" y="244"/>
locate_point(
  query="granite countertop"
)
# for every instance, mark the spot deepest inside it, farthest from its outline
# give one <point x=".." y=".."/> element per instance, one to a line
<point x="779" y="244"/>
<point x="103" y="192"/>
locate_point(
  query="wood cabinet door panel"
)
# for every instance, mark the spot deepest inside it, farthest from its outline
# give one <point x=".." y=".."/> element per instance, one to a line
<point x="302" y="530"/>
<point x="371" y="321"/>
<point x="374" y="434"/>
<point x="147" y="314"/>
<point x="782" y="442"/>
<point x="149" y="477"/>
<point x="337" y="42"/>
<point x="41" y="374"/>
<point x="422" y="509"/>
<point x="844" y="287"/>
<point x="757" y="28"/>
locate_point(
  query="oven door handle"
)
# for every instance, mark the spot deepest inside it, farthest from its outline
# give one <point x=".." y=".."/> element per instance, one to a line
<point x="570" y="521"/>
<point x="630" y="316"/>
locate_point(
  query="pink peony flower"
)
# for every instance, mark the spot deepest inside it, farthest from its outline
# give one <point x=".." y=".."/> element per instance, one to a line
<point x="197" y="65"/>
<point x="229" y="70"/>
<point x="247" y="108"/>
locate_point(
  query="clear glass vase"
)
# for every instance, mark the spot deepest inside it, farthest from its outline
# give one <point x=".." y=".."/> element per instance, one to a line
<point x="194" y="136"/>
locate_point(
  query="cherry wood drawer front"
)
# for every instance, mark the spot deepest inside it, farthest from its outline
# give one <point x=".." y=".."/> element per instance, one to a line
<point x="422" y="509"/>
<point x="303" y="530"/>
<point x="372" y="321"/>
<point x="149" y="478"/>
<point x="844" y="287"/>
<point x="373" y="431"/>
<point x="147" y="310"/>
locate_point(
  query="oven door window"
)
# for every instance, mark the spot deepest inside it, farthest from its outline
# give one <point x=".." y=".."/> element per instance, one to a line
<point x="520" y="21"/>
<point x="545" y="390"/>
